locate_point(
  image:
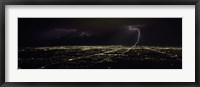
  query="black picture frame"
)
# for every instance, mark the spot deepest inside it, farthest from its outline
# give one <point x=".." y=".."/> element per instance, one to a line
<point x="98" y="2"/>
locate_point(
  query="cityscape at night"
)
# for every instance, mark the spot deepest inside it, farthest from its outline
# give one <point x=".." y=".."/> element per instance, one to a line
<point x="99" y="43"/>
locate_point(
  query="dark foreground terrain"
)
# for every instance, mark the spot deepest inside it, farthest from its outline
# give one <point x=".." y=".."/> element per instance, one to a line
<point x="100" y="57"/>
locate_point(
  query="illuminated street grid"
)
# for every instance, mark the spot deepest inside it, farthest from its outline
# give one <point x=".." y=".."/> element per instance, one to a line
<point x="100" y="57"/>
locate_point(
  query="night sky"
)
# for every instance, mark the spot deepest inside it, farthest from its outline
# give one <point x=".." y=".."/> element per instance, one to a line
<point x="99" y="31"/>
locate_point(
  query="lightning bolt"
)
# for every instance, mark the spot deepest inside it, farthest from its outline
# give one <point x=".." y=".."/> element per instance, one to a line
<point x="133" y="28"/>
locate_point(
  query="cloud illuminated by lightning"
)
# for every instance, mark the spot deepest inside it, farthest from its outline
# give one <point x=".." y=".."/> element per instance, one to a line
<point x="87" y="34"/>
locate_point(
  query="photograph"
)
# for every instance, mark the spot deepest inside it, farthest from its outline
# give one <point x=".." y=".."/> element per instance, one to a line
<point x="99" y="43"/>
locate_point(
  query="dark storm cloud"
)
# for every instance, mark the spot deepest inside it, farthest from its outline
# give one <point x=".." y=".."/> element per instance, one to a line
<point x="57" y="33"/>
<point x="99" y="31"/>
